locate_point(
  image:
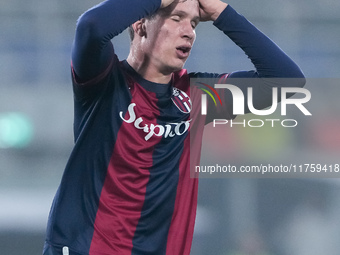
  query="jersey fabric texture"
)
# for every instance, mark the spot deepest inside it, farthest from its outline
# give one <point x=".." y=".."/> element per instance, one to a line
<point x="126" y="188"/>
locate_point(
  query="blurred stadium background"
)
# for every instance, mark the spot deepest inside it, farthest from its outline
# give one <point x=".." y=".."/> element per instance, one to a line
<point x="235" y="216"/>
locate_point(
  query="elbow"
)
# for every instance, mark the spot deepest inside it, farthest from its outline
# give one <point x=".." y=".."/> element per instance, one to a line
<point x="88" y="27"/>
<point x="295" y="75"/>
<point x="299" y="78"/>
<point x="301" y="82"/>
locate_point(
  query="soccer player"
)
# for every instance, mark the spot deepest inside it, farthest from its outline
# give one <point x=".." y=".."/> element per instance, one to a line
<point x="126" y="188"/>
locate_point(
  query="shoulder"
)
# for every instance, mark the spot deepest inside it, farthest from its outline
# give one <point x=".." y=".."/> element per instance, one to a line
<point x="183" y="79"/>
<point x="183" y="76"/>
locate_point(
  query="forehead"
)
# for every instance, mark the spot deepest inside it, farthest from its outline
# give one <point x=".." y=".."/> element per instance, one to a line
<point x="185" y="7"/>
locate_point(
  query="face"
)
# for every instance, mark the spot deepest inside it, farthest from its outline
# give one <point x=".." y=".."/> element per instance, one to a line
<point x="170" y="35"/>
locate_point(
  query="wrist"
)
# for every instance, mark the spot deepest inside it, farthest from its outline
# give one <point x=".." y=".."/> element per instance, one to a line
<point x="165" y="3"/>
<point x="220" y="6"/>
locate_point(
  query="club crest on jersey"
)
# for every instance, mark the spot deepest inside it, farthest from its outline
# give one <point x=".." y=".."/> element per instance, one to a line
<point x="181" y="100"/>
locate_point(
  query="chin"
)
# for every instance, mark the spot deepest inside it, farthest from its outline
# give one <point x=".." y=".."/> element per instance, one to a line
<point x="173" y="67"/>
<point x="178" y="66"/>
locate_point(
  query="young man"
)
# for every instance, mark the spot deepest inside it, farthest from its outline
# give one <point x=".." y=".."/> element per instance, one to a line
<point x="126" y="188"/>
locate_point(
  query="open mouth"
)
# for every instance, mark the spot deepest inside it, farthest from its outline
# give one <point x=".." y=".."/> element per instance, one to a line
<point x="183" y="51"/>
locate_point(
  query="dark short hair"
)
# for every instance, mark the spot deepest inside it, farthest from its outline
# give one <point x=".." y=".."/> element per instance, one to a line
<point x="131" y="32"/>
<point x="130" y="28"/>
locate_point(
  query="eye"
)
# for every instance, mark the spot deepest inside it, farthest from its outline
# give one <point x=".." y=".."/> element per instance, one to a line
<point x="193" y="25"/>
<point x="176" y="18"/>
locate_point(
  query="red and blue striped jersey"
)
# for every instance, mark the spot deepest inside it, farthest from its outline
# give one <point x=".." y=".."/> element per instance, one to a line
<point x="126" y="188"/>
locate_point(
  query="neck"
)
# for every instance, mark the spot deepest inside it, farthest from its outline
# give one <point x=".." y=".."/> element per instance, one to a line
<point x="143" y="66"/>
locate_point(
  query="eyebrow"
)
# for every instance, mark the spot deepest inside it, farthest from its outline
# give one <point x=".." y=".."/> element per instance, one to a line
<point x="183" y="13"/>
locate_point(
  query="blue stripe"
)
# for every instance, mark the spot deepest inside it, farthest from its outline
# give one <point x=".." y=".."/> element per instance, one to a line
<point x="154" y="224"/>
<point x="76" y="202"/>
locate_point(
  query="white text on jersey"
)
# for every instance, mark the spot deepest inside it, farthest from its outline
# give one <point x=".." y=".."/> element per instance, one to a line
<point x="168" y="130"/>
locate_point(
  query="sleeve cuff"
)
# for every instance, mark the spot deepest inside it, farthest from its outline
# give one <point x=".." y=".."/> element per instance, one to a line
<point x="225" y="17"/>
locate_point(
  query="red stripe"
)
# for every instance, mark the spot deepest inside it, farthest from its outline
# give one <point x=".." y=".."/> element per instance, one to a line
<point x="124" y="189"/>
<point x="95" y="80"/>
<point x="179" y="103"/>
<point x="180" y="238"/>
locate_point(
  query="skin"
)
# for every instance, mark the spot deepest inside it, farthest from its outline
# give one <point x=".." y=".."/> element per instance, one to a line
<point x="162" y="44"/>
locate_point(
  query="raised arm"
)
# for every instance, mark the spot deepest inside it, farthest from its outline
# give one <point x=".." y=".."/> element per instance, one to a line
<point x="269" y="60"/>
<point x="92" y="51"/>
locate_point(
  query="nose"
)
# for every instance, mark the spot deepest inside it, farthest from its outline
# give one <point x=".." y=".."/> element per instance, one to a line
<point x="188" y="31"/>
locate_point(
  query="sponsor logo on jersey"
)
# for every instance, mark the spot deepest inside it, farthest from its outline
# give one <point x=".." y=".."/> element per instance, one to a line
<point x="150" y="130"/>
<point x="181" y="100"/>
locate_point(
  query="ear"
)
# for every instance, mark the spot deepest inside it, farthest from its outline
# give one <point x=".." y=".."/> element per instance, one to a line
<point x="139" y="27"/>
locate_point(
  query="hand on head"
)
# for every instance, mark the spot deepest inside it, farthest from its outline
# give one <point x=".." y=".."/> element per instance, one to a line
<point x="209" y="9"/>
<point x="166" y="3"/>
